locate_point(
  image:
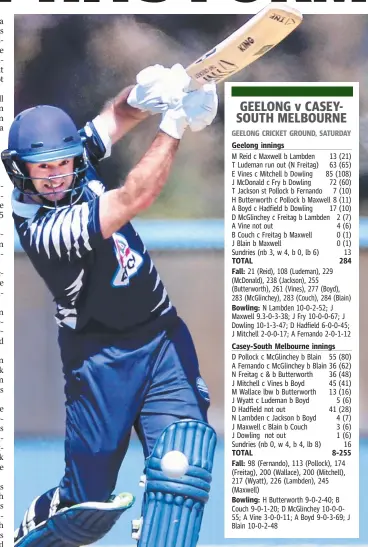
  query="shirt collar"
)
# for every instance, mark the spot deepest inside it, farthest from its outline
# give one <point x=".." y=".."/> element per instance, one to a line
<point x="24" y="210"/>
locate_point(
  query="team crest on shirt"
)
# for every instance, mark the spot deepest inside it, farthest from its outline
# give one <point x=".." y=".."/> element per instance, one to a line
<point x="129" y="262"/>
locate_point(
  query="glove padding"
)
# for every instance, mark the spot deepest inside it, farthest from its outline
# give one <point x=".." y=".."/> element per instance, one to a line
<point x="158" y="89"/>
<point x="196" y="110"/>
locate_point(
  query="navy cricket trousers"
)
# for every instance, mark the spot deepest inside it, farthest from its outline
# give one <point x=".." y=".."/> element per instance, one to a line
<point x="113" y="385"/>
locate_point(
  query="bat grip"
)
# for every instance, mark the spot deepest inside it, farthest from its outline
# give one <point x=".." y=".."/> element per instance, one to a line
<point x="194" y="85"/>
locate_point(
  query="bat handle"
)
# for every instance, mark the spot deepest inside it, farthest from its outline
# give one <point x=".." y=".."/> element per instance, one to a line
<point x="194" y="85"/>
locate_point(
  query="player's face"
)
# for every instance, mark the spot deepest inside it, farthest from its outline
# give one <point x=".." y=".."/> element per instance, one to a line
<point x="42" y="173"/>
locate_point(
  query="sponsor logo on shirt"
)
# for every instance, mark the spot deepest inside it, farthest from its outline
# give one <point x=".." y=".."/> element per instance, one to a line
<point x="129" y="262"/>
<point x="202" y="388"/>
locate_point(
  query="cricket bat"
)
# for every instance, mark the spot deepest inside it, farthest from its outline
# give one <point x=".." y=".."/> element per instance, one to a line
<point x="247" y="44"/>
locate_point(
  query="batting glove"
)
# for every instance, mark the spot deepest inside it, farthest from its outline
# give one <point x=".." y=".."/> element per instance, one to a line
<point x="159" y="89"/>
<point x="196" y="110"/>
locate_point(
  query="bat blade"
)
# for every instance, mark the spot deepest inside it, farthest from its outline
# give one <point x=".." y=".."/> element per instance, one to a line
<point x="255" y="38"/>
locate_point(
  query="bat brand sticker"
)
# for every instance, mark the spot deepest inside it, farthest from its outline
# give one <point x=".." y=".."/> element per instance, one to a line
<point x="223" y="69"/>
<point x="246" y="44"/>
<point x="282" y="19"/>
<point x="264" y="50"/>
<point x="278" y="18"/>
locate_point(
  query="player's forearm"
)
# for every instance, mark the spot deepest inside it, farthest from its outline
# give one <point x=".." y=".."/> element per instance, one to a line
<point x="142" y="186"/>
<point x="146" y="181"/>
<point x="120" y="117"/>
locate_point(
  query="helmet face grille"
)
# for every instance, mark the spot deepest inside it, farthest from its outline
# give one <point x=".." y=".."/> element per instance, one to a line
<point x="19" y="176"/>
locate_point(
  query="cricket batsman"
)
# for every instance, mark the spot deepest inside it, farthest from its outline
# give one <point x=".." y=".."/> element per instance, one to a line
<point x="128" y="359"/>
